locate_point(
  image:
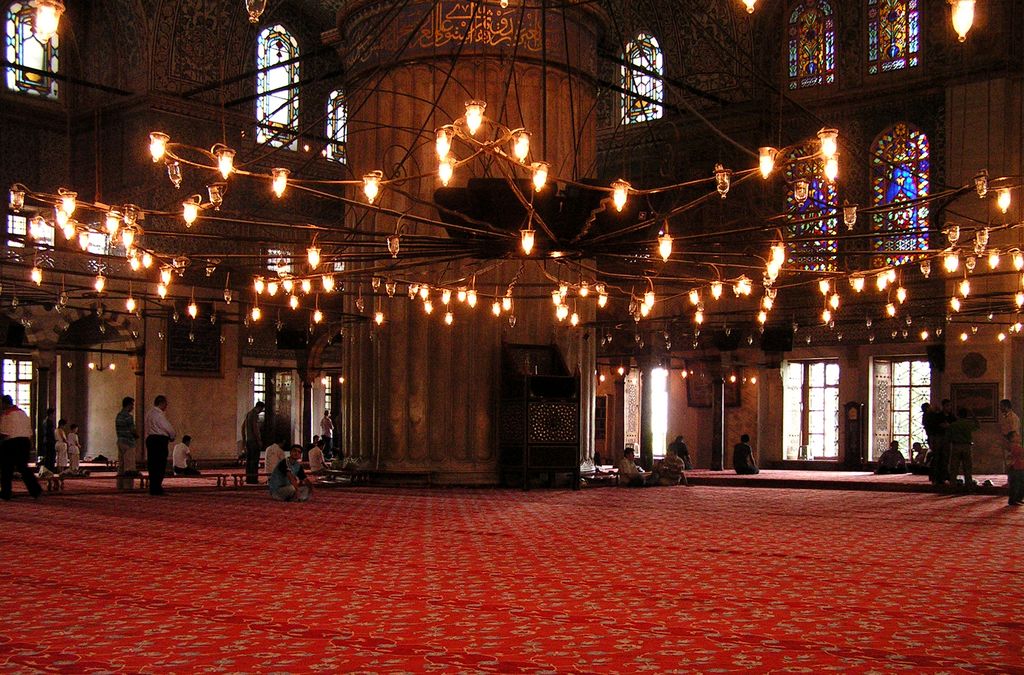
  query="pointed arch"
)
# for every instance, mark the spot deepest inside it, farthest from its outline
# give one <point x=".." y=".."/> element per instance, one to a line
<point x="812" y="44"/>
<point x="893" y="35"/>
<point x="900" y="166"/>
<point x="642" y="72"/>
<point x="277" y="87"/>
<point x="337" y="126"/>
<point x="813" y="221"/>
<point x="22" y="48"/>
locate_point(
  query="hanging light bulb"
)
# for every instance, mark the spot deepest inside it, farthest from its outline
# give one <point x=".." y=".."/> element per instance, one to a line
<point x="1001" y="337"/>
<point x="954" y="302"/>
<point x="832" y="168"/>
<point x="449" y="318"/>
<point x="521" y="145"/>
<point x="100" y="283"/>
<point x="800" y="188"/>
<point x="68" y="201"/>
<point x="953" y="233"/>
<point x="443" y="141"/>
<point x="951" y="261"/>
<point x="428" y="306"/>
<point x="161" y="290"/>
<point x="993" y="259"/>
<point x="857" y="282"/>
<point x="259" y="285"/>
<point x="371" y="184"/>
<point x="665" y="245"/>
<point x="584" y="289"/>
<point x="824" y="286"/>
<point x="446" y="296"/>
<point x="649" y="298"/>
<point x="307" y="286"/>
<point x="474" y="115"/>
<point x="165" y="276"/>
<point x="17" y="197"/>
<point x="134" y="263"/>
<point x="47" y="19"/>
<point x="767" y="302"/>
<point x="255" y="8"/>
<point x="424" y="292"/>
<point x="716" y="289"/>
<point x="83" y="239"/>
<point x="69" y="228"/>
<point x="826" y="315"/>
<point x="313" y="257"/>
<point x="540" y="174"/>
<point x="130" y="304"/>
<point x="762" y="316"/>
<point x="293" y="301"/>
<point x="723" y="179"/>
<point x="620" y="190"/>
<point x="193" y="308"/>
<point x="766" y="160"/>
<point x="37" y="275"/>
<point x="829" y="142"/>
<point x="965" y="287"/>
<point x="327" y="281"/>
<point x="963" y="17"/>
<point x="834" y="301"/>
<point x="602" y="299"/>
<point x="378" y="317"/>
<point x="1018" y="299"/>
<point x="190" y="210"/>
<point x="36" y="227"/>
<point x="62" y="219"/>
<point x="901" y="295"/>
<point x="742" y="286"/>
<point x="1018" y="260"/>
<point x="158" y="145"/>
<point x="526" y="240"/>
<point x="698" y="317"/>
<point x="496" y="308"/>
<point x="882" y="281"/>
<point x="556" y="298"/>
<point x="174" y="173"/>
<point x="255" y="313"/>
<point x="318" y="316"/>
<point x="445" y="170"/>
<point x="471" y="297"/>
<point x="694" y="296"/>
<point x="112" y="222"/>
<point x="279" y="182"/>
<point x="1003" y="199"/>
<point x="225" y="159"/>
<point x="574" y="319"/>
<point x="287" y="284"/>
<point x="460" y="295"/>
<point x="890" y="309"/>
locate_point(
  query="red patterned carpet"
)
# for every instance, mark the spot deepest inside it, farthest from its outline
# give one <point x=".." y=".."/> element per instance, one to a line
<point x="696" y="579"/>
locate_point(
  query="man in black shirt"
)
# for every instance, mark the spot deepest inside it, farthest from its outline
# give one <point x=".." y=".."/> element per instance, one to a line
<point x="743" y="457"/>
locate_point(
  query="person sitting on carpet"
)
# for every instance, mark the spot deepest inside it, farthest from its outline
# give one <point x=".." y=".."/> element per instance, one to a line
<point x="892" y="460"/>
<point x="1014" y="468"/>
<point x="669" y="470"/>
<point x="274" y="454"/>
<point x="920" y="465"/>
<point x="682" y="452"/>
<point x="632" y="475"/>
<point x="288" y="482"/>
<point x="317" y="465"/>
<point x="743" y="457"/>
<point x="182" y="460"/>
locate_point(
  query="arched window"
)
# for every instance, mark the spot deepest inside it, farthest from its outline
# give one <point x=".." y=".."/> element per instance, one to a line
<point x="337" y="126"/>
<point x="22" y="48"/>
<point x="812" y="44"/>
<point x="277" y="87"/>
<point x="642" y="75"/>
<point x="812" y="221"/>
<point x="893" y="38"/>
<point x="899" y="173"/>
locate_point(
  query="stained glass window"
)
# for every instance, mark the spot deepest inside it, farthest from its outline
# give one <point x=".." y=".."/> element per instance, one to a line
<point x="812" y="44"/>
<point x="337" y="126"/>
<point x="893" y="37"/>
<point x="642" y="78"/>
<point x="899" y="173"/>
<point x="812" y="221"/>
<point x="277" y="87"/>
<point x="22" y="48"/>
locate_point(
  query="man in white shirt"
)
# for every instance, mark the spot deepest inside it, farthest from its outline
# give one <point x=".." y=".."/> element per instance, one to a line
<point x="1009" y="423"/>
<point x="274" y="455"/>
<point x="181" y="458"/>
<point x="16" y="429"/>
<point x="327" y="432"/>
<point x="317" y="465"/>
<point x="159" y="433"/>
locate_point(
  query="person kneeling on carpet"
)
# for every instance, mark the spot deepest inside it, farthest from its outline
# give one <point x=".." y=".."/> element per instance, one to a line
<point x="632" y="475"/>
<point x="669" y="470"/>
<point x="181" y="459"/>
<point x="288" y="482"/>
<point x="892" y="460"/>
<point x="743" y="457"/>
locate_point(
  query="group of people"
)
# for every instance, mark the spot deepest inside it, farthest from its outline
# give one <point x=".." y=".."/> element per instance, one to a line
<point x="950" y="439"/>
<point x="669" y="470"/>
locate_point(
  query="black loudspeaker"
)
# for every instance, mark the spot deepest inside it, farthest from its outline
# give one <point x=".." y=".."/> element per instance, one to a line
<point x="777" y="339"/>
<point x="292" y="339"/>
<point x="937" y="357"/>
<point x="726" y="341"/>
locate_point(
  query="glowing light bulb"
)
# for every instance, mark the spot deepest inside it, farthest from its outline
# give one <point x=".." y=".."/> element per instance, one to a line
<point x="766" y="160"/>
<point x="832" y="168"/>
<point x="449" y="318"/>
<point x="954" y="303"/>
<point x="1003" y="199"/>
<point x="826" y="316"/>
<point x="698" y="317"/>
<point x="165" y="276"/>
<point x="47" y="19"/>
<point x="556" y="298"/>
<point x="112" y="222"/>
<point x="965" y="287"/>
<point x="193" y="309"/>
<point x="574" y="319"/>
<point x="445" y="170"/>
<point x="1018" y="298"/>
<point x="327" y="281"/>
<point x="890" y="309"/>
<point x="313" y="257"/>
<point x="428" y="306"/>
<point x="750" y="5"/>
<point x="474" y="115"/>
<point x="62" y="219"/>
<point x="256" y="314"/>
<point x="506" y="302"/>
<point x="100" y="283"/>
<point x="602" y="299"/>
<point x="225" y="160"/>
<point x="37" y="275"/>
<point x="620" y="190"/>
<point x="649" y="298"/>
<point x="767" y="302"/>
<point x="424" y="292"/>
<point x="834" y="301"/>
<point x="279" y="181"/>
<point x="993" y="259"/>
<point x="471" y="297"/>
<point x="307" y="286"/>
<point x="857" y="283"/>
<point x="443" y="141"/>
<point x="371" y="185"/>
<point x="963" y="17"/>
<point x="716" y="289"/>
<point x="83" y="239"/>
<point x="134" y="263"/>
<point x="318" y="316"/>
<point x="259" y="285"/>
<point x="190" y="210"/>
<point x="1001" y="337"/>
<point x="526" y="240"/>
<point x="951" y="261"/>
<point x="293" y="301"/>
<point x="158" y="145"/>
<point x="584" y="289"/>
<point x="446" y="296"/>
<point x="963" y="337"/>
<point x="130" y="304"/>
<point x="161" y="290"/>
<point x="1018" y="260"/>
<point x="287" y="284"/>
<point x="665" y="246"/>
<point x="68" y="201"/>
<point x="128" y="237"/>
<point x="901" y="295"/>
<point x="36" y="227"/>
<point x="521" y="145"/>
<point x="762" y="316"/>
<point x="694" y="296"/>
<point x="378" y="318"/>
<point x="540" y="174"/>
<point x="496" y="308"/>
<point x="824" y="286"/>
<point x="829" y="142"/>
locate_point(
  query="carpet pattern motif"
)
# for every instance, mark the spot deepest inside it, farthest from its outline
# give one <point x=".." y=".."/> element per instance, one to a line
<point x="696" y="579"/>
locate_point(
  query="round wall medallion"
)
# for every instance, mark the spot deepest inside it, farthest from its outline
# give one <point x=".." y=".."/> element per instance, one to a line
<point x="974" y="365"/>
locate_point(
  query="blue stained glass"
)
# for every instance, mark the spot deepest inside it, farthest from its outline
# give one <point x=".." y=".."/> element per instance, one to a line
<point x="893" y="29"/>
<point x="277" y="88"/>
<point x="812" y="44"/>
<point x="899" y="173"/>
<point x="22" y="48"/>
<point x="646" y="89"/>
<point x="814" y="221"/>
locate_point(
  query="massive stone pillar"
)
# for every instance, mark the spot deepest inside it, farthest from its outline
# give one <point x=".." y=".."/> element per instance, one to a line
<point x="423" y="395"/>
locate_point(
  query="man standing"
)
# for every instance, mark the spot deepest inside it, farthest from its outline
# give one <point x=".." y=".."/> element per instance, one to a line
<point x="127" y="437"/>
<point x="327" y="432"/>
<point x="253" y="441"/>
<point x="1009" y="423"/>
<point x="159" y="434"/>
<point x="960" y="435"/>
<point x="16" y="429"/>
